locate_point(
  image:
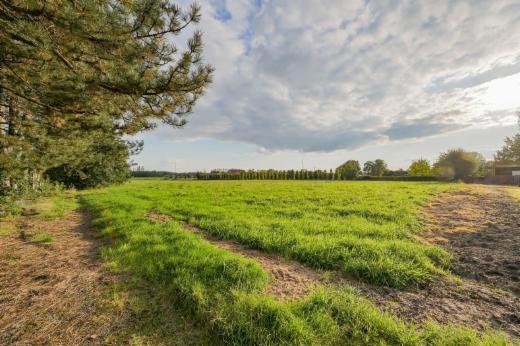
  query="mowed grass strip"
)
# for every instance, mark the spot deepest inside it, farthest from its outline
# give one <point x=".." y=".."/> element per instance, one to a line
<point x="365" y="229"/>
<point x="223" y="291"/>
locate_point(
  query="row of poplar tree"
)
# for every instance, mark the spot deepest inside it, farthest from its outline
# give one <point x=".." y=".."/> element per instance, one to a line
<point x="340" y="173"/>
<point x="76" y="77"/>
<point x="269" y="175"/>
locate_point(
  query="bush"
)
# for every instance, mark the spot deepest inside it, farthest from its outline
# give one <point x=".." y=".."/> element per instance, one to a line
<point x="90" y="176"/>
<point x="457" y="164"/>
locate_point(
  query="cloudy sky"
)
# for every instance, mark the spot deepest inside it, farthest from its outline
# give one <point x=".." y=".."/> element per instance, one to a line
<point x="315" y="83"/>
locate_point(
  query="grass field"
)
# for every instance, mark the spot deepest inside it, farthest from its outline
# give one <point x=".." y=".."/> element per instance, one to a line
<point x="365" y="229"/>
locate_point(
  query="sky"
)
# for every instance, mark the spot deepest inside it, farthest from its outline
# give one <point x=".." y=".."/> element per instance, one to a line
<point x="310" y="84"/>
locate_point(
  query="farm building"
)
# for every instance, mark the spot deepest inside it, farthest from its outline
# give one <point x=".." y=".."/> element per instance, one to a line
<point x="504" y="174"/>
<point x="507" y="170"/>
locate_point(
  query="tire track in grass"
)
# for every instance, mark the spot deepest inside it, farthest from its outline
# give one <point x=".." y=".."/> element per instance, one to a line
<point x="444" y="300"/>
<point x="289" y="279"/>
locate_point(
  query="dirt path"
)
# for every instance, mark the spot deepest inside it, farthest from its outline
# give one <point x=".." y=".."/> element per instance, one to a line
<point x="481" y="227"/>
<point x="478" y="225"/>
<point x="55" y="290"/>
<point x="50" y="283"/>
<point x="289" y="279"/>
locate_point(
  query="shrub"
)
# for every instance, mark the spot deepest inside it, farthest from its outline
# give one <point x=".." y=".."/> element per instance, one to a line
<point x="457" y="164"/>
<point x="104" y="164"/>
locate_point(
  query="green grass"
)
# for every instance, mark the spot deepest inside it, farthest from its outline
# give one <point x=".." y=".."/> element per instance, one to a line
<point x="222" y="292"/>
<point x="55" y="206"/>
<point x="365" y="229"/>
<point x="7" y="226"/>
<point x="514" y="192"/>
<point x="40" y="237"/>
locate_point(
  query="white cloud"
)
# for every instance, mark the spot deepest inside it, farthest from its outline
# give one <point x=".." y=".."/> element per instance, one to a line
<point x="329" y="75"/>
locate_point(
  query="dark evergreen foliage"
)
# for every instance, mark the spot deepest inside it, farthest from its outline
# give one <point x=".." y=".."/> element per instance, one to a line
<point x="106" y="164"/>
<point x="77" y="75"/>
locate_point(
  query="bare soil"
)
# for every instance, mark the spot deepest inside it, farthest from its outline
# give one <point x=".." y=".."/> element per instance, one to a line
<point x="479" y="225"/>
<point x="466" y="303"/>
<point x="481" y="228"/>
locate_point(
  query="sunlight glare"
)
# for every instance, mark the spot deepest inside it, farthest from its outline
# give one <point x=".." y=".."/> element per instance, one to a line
<point x="503" y="93"/>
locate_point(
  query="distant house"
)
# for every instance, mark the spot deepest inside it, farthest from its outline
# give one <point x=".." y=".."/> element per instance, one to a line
<point x="504" y="174"/>
<point x="506" y="170"/>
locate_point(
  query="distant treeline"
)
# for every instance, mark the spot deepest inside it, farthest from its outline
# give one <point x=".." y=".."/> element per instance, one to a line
<point x="152" y="174"/>
<point x="398" y="175"/>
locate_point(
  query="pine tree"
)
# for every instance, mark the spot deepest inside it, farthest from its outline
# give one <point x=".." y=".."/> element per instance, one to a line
<point x="74" y="72"/>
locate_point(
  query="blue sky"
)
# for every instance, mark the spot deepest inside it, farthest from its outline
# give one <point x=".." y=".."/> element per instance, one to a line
<point x="320" y="82"/>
